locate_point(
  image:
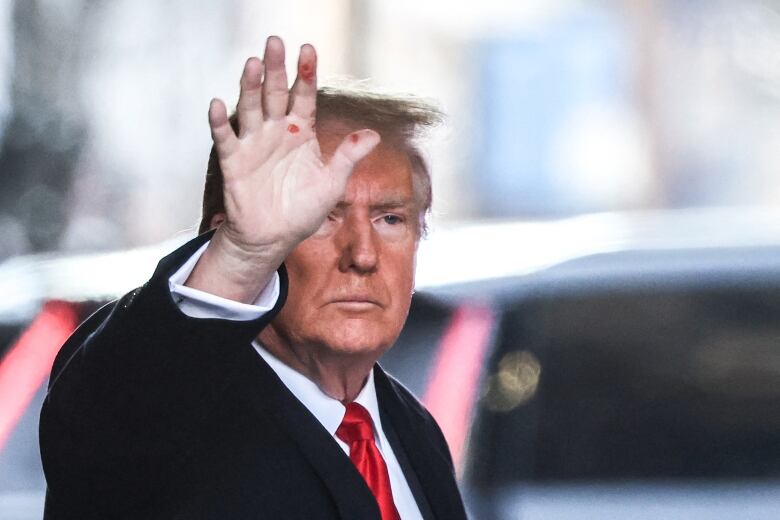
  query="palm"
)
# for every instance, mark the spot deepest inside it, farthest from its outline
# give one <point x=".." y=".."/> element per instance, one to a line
<point x="277" y="189"/>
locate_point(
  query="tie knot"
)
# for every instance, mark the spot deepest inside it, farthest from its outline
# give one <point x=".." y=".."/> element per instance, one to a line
<point x="356" y="425"/>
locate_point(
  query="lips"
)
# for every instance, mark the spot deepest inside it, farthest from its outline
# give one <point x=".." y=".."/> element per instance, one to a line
<point x="357" y="301"/>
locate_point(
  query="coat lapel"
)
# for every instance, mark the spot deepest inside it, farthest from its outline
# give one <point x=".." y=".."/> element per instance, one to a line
<point x="352" y="496"/>
<point x="432" y="467"/>
<point x="406" y="467"/>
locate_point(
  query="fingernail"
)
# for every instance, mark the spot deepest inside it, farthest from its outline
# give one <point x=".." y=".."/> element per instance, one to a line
<point x="367" y="136"/>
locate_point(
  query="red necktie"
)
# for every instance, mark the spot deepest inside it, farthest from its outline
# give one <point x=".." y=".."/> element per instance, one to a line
<point x="357" y="430"/>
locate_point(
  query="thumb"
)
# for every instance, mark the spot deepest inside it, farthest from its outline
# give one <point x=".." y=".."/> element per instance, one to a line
<point x="352" y="149"/>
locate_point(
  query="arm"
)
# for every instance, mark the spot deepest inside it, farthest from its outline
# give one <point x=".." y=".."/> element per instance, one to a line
<point x="130" y="389"/>
<point x="199" y="304"/>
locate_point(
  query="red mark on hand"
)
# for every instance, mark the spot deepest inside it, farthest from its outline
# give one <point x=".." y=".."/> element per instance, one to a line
<point x="355" y="138"/>
<point x="293" y="129"/>
<point x="306" y="72"/>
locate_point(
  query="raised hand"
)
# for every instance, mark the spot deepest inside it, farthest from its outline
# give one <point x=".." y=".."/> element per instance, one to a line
<point x="277" y="188"/>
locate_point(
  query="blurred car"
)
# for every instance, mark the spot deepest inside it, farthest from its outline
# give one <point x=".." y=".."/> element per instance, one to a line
<point x="604" y="366"/>
<point x="635" y="375"/>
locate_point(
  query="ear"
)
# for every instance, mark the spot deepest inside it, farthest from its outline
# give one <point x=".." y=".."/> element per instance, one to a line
<point x="216" y="220"/>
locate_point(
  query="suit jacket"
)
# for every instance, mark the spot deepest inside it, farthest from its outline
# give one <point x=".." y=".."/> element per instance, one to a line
<point x="152" y="414"/>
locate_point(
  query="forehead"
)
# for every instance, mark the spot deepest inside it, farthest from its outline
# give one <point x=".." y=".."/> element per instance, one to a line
<point x="384" y="175"/>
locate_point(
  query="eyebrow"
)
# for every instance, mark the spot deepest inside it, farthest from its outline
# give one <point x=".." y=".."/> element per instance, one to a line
<point x="387" y="203"/>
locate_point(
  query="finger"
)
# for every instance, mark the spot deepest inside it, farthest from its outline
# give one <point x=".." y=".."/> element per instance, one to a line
<point x="275" y="82"/>
<point x="352" y="149"/>
<point x="250" y="100"/>
<point x="222" y="133"/>
<point x="303" y="95"/>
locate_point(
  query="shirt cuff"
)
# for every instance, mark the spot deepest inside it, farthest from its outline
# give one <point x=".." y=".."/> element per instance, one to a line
<point x="200" y="304"/>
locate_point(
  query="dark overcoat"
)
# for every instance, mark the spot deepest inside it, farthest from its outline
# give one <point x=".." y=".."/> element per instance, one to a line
<point x="153" y="414"/>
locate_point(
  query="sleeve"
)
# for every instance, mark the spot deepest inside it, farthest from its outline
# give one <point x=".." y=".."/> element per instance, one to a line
<point x="130" y="387"/>
<point x="200" y="304"/>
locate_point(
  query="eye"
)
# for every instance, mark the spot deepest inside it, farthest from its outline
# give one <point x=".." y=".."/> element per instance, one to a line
<point x="328" y="225"/>
<point x="392" y="226"/>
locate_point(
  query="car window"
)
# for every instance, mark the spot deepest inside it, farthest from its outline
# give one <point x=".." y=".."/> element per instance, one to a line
<point x="633" y="384"/>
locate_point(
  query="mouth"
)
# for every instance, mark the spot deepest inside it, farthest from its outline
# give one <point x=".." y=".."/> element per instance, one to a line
<point x="356" y="304"/>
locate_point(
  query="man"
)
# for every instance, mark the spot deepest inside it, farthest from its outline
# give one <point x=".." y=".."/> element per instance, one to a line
<point x="204" y="394"/>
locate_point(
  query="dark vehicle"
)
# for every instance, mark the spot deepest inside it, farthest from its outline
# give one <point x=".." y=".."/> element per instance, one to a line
<point x="640" y="395"/>
<point x="639" y="381"/>
<point x="608" y="366"/>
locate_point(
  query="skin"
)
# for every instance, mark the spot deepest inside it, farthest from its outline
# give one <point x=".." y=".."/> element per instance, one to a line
<point x="337" y="208"/>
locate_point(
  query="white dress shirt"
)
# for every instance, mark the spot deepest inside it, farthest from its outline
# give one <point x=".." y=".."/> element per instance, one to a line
<point x="328" y="411"/>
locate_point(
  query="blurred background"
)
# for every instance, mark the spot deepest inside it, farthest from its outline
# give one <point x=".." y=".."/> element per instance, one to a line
<point x="556" y="107"/>
<point x="567" y="118"/>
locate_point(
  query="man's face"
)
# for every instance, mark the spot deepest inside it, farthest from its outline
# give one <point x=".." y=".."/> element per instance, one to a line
<point x="351" y="282"/>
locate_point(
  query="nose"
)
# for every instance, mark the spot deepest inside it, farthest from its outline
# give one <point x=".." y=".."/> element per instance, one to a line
<point x="358" y="247"/>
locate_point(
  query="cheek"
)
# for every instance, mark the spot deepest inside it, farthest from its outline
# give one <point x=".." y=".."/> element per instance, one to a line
<point x="402" y="287"/>
<point x="300" y="306"/>
<point x="308" y="270"/>
<point x="406" y="266"/>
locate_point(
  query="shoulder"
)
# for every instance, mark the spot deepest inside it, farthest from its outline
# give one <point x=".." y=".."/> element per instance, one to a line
<point x="85" y="330"/>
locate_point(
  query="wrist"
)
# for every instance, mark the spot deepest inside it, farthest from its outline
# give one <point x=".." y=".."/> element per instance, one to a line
<point x="234" y="271"/>
<point x="232" y="250"/>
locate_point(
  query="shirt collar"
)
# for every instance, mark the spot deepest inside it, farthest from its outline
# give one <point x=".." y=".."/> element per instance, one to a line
<point x="328" y="411"/>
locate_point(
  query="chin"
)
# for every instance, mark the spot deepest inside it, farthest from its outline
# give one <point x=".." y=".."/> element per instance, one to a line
<point x="358" y="338"/>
